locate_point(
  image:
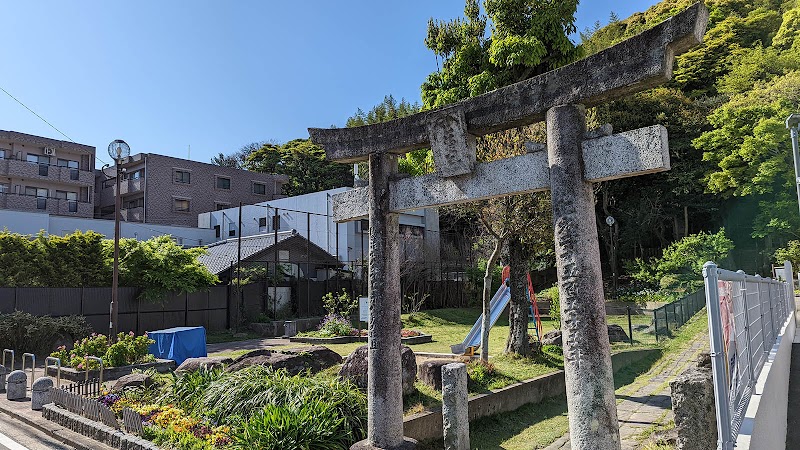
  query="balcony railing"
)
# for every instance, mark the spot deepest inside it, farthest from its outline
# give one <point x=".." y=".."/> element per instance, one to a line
<point x="24" y="169"/>
<point x="51" y="205"/>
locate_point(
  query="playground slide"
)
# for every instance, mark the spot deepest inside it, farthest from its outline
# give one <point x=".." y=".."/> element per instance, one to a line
<point x="496" y="307"/>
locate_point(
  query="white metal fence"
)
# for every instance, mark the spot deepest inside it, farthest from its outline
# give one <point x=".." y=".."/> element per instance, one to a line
<point x="745" y="316"/>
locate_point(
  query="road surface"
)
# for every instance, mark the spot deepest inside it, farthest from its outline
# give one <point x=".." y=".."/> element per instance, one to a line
<point x="15" y="435"/>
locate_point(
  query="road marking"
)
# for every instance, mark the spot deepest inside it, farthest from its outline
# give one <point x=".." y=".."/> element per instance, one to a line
<point x="6" y="441"/>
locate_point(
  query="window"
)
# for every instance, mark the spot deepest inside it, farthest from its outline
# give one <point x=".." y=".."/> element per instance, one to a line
<point x="221" y="206"/>
<point x="259" y="188"/>
<point x="67" y="163"/>
<point x="36" y="192"/>
<point x="262" y="222"/>
<point x="136" y="203"/>
<point x="223" y="183"/>
<point x="73" y="174"/>
<point x="217" y="230"/>
<point x="5" y="188"/>
<point x="181" y="205"/>
<point x="232" y="232"/>
<point x="3" y="153"/>
<point x="38" y="159"/>
<point x="183" y="176"/>
<point x="73" y="206"/>
<point x="44" y="170"/>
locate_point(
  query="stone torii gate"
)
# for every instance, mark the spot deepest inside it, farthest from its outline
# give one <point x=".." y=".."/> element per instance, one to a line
<point x="573" y="161"/>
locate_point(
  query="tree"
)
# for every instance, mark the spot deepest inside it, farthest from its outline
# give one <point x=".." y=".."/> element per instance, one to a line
<point x="304" y="163"/>
<point x="237" y="159"/>
<point x="527" y="38"/>
<point x="159" y="266"/>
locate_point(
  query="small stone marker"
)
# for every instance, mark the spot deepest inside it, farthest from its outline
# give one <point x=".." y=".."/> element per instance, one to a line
<point x="455" y="407"/>
<point x="41" y="393"/>
<point x="132" y="421"/>
<point x="3" y="373"/>
<point x="17" y="385"/>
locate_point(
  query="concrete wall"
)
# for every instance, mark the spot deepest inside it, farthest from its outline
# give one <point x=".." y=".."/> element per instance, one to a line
<point x="31" y="223"/>
<point x="764" y="425"/>
<point x="427" y="426"/>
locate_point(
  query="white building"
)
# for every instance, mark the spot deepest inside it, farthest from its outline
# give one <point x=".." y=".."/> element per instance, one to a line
<point x="31" y="223"/>
<point x="310" y="215"/>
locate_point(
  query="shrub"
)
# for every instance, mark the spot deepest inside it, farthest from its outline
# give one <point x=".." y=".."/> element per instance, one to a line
<point x="334" y="325"/>
<point x="341" y="305"/>
<point x="551" y="294"/>
<point x="24" y="332"/>
<point x="129" y="349"/>
<point x="314" y="424"/>
<point x="480" y="374"/>
<point x="789" y="253"/>
<point x="244" y="393"/>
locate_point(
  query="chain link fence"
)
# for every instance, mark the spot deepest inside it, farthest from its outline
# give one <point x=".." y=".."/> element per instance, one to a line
<point x="745" y="315"/>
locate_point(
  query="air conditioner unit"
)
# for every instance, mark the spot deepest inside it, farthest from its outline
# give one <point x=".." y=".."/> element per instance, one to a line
<point x="49" y="151"/>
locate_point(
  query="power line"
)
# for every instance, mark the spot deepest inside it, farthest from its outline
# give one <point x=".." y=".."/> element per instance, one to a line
<point x="45" y="121"/>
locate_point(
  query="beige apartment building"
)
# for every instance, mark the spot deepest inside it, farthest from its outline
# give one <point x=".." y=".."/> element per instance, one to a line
<point x="39" y="174"/>
<point x="172" y="191"/>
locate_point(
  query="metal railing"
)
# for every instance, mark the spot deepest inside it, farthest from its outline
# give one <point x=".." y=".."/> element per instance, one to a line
<point x="672" y="316"/>
<point x="745" y="317"/>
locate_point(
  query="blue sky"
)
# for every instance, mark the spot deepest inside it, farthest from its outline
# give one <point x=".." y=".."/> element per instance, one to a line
<point x="167" y="75"/>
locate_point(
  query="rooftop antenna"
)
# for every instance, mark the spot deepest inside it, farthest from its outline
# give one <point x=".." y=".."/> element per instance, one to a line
<point x="189" y="153"/>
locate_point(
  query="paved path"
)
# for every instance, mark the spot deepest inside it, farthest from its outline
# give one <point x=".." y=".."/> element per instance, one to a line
<point x="252" y="344"/>
<point x="646" y="402"/>
<point x="15" y="435"/>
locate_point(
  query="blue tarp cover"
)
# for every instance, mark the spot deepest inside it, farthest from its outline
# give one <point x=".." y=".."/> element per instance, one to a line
<point x="179" y="343"/>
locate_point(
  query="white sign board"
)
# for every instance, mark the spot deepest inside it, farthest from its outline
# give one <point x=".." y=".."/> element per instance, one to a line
<point x="363" y="309"/>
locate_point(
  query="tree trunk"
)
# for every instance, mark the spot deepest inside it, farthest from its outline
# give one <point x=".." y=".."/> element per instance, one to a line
<point x="487" y="298"/>
<point x="518" y="341"/>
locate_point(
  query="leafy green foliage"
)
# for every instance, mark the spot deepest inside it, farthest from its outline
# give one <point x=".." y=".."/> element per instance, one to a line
<point x="681" y="265"/>
<point x="242" y="394"/>
<point x="159" y="266"/>
<point x="313" y="424"/>
<point x="527" y="38"/>
<point x="24" y="332"/>
<point x="341" y="304"/>
<point x="128" y="349"/>
<point x="551" y="294"/>
<point x="304" y="163"/>
<point x="789" y="253"/>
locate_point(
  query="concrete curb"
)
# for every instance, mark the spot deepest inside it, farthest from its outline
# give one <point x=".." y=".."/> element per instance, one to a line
<point x="55" y="431"/>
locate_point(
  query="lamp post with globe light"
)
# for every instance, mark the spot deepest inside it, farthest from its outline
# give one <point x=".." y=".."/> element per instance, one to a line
<point x="118" y="150"/>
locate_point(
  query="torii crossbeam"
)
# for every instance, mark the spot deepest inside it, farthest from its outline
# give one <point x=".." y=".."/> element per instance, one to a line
<point x="571" y="164"/>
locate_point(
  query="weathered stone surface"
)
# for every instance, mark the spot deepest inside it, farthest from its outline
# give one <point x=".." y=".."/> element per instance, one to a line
<point x="131" y="381"/>
<point x="587" y="352"/>
<point x="207" y="362"/>
<point x="455" y="407"/>
<point x="294" y="360"/>
<point x="639" y="63"/>
<point x="693" y="405"/>
<point x="41" y="392"/>
<point x="453" y="148"/>
<point x="355" y="368"/>
<point x="617" y="334"/>
<point x="552" y="338"/>
<point x="406" y="444"/>
<point x="430" y="372"/>
<point x="16" y="385"/>
<point x="622" y="155"/>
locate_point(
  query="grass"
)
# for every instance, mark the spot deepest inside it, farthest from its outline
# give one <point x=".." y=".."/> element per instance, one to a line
<point x="218" y="337"/>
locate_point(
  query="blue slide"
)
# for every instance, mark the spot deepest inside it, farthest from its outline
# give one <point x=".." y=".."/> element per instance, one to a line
<point x="496" y="307"/>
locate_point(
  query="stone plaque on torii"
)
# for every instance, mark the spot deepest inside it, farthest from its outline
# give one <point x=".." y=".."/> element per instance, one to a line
<point x="573" y="161"/>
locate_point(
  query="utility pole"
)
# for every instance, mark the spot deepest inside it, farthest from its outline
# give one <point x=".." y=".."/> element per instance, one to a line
<point x="791" y="123"/>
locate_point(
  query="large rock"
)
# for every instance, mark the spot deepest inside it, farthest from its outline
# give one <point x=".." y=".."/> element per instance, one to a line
<point x="430" y="372"/>
<point x="208" y="362"/>
<point x="355" y="368"/>
<point x="617" y="334"/>
<point x="294" y="360"/>
<point x="552" y="338"/>
<point x="693" y="405"/>
<point x="132" y="380"/>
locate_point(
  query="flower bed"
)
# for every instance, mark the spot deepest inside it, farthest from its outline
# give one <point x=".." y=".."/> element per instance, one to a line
<point x="408" y="337"/>
<point x="119" y="358"/>
<point x="255" y="407"/>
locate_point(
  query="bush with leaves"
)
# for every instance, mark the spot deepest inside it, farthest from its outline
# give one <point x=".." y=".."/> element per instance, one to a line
<point x="314" y="424"/>
<point x="679" y="269"/>
<point x="789" y="253"/>
<point x="128" y="349"/>
<point x="24" y="332"/>
<point x="339" y="304"/>
<point x="551" y="294"/>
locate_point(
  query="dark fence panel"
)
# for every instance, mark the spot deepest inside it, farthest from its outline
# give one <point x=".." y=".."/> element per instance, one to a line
<point x="672" y="316"/>
<point x="8" y="300"/>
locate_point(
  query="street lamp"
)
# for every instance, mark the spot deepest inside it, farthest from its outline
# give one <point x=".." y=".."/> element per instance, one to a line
<point x="791" y="123"/>
<point x="118" y="150"/>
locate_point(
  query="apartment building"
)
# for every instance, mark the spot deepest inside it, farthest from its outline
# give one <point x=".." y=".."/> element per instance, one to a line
<point x="164" y="190"/>
<point x="39" y="174"/>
